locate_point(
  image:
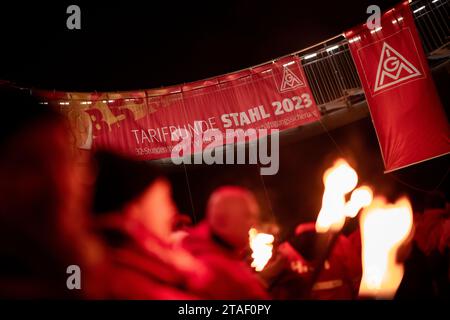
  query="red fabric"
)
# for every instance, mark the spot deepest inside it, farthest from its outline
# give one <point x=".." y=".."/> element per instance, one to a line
<point x="338" y="280"/>
<point x="231" y="277"/>
<point x="272" y="96"/>
<point x="407" y="113"/>
<point x="432" y="232"/>
<point x="141" y="266"/>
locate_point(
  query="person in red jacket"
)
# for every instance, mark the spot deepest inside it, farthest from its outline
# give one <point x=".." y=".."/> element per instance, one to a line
<point x="293" y="274"/>
<point x="134" y="214"/>
<point x="219" y="241"/>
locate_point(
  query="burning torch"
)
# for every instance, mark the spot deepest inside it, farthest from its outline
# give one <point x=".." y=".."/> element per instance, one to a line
<point x="338" y="180"/>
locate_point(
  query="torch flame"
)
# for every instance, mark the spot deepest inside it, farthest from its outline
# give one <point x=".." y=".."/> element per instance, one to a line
<point x="261" y="245"/>
<point x="384" y="228"/>
<point x="361" y="197"/>
<point x="339" y="180"/>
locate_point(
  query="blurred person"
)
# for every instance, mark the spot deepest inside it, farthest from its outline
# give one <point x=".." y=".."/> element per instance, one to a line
<point x="430" y="233"/>
<point x="219" y="241"/>
<point x="427" y="268"/>
<point x="292" y="271"/>
<point x="134" y="214"/>
<point x="43" y="217"/>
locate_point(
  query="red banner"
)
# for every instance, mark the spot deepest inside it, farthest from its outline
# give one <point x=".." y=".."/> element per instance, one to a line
<point x="407" y="113"/>
<point x="145" y="124"/>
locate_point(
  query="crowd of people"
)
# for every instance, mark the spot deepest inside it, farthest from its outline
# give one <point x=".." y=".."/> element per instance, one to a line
<point x="115" y="219"/>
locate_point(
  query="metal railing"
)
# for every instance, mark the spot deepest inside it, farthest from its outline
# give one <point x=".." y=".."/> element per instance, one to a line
<point x="331" y="72"/>
<point x="432" y="18"/>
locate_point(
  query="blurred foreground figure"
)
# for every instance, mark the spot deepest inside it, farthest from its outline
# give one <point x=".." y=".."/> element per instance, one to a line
<point x="42" y="205"/>
<point x="218" y="242"/>
<point x="134" y="215"/>
<point x="427" y="269"/>
<point x="291" y="274"/>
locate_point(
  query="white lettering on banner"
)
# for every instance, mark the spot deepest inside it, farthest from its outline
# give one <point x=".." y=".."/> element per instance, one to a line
<point x="207" y="142"/>
<point x="243" y="118"/>
<point x="288" y="105"/>
<point x="169" y="133"/>
<point x="393" y="69"/>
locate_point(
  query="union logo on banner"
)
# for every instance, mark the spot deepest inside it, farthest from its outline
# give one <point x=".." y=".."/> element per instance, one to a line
<point x="391" y="62"/>
<point x="393" y="69"/>
<point x="290" y="80"/>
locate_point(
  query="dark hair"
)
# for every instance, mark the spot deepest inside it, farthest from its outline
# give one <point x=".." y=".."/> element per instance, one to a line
<point x="119" y="181"/>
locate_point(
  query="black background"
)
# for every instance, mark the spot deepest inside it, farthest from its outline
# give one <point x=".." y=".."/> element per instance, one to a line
<point x="126" y="45"/>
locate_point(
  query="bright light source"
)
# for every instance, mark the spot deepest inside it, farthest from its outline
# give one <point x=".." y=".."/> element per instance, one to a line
<point x="110" y="101"/>
<point x="354" y="39"/>
<point x="261" y="245"/>
<point x="397" y="20"/>
<point x="310" y="56"/>
<point x="384" y="229"/>
<point x="434" y="1"/>
<point x="339" y="180"/>
<point x="332" y="48"/>
<point x="376" y="30"/>
<point x="360" y="198"/>
<point x="288" y="64"/>
<point x="419" y="9"/>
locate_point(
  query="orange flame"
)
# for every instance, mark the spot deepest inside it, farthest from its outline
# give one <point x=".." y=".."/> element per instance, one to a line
<point x="361" y="197"/>
<point x="339" y="180"/>
<point x="384" y="228"/>
<point x="261" y="245"/>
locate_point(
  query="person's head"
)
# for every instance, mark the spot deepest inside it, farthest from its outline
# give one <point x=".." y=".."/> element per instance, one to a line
<point x="136" y="190"/>
<point x="42" y="216"/>
<point x="154" y="208"/>
<point x="231" y="212"/>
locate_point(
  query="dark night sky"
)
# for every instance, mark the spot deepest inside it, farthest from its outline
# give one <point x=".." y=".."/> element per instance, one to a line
<point x="129" y="45"/>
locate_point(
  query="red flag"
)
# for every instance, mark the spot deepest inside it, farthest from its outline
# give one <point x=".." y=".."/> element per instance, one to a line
<point x="406" y="111"/>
